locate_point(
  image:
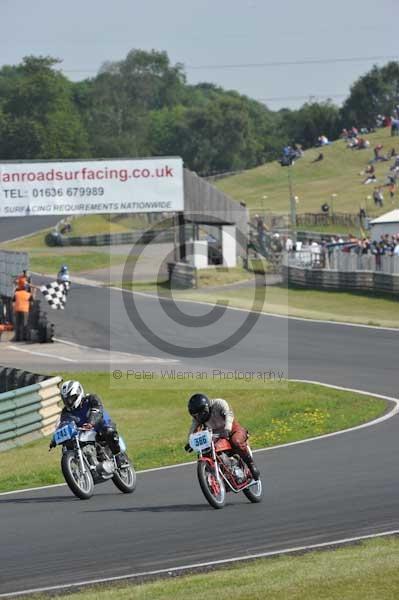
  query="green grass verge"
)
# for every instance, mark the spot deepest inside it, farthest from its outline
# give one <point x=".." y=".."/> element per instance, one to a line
<point x="77" y="261"/>
<point x="329" y="229"/>
<point x="310" y="304"/>
<point x="266" y="187"/>
<point x="84" y="225"/>
<point x="222" y="276"/>
<point x="97" y="224"/>
<point x="213" y="277"/>
<point x="29" y="242"/>
<point x="274" y="413"/>
<point x="366" y="571"/>
<point x="43" y="259"/>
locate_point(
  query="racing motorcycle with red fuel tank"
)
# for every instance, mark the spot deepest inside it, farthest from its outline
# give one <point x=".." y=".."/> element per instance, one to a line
<point x="220" y="469"/>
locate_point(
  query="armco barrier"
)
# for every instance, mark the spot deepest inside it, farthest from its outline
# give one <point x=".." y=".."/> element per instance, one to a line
<point x="323" y="279"/>
<point x="29" y="412"/>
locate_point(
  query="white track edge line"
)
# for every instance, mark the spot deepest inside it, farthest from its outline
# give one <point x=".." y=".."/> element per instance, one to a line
<point x="33" y="353"/>
<point x="151" y="359"/>
<point x="195" y="566"/>
<point x="266" y="314"/>
<point x="237" y="308"/>
<point x="376" y="421"/>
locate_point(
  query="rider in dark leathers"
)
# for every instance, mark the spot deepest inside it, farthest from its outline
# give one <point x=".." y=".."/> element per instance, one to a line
<point x="88" y="412"/>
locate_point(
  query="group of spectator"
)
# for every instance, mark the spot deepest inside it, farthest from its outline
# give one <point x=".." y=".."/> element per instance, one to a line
<point x="353" y="138"/>
<point x="391" y="121"/>
<point x="390" y="179"/>
<point x="316" y="254"/>
<point x="386" y="245"/>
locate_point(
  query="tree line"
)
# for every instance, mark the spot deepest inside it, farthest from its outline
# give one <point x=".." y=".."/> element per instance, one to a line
<point x="143" y="106"/>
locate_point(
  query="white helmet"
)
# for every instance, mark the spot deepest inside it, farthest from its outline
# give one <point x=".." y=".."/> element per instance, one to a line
<point x="72" y="394"/>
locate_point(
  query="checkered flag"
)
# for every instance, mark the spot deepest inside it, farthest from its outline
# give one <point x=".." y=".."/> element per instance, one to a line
<point x="55" y="294"/>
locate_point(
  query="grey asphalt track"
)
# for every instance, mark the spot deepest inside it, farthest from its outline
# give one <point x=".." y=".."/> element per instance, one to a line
<point x="12" y="227"/>
<point x="329" y="489"/>
<point x="324" y="490"/>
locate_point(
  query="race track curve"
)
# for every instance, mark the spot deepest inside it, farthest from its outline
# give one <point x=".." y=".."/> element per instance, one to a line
<point x="324" y="490"/>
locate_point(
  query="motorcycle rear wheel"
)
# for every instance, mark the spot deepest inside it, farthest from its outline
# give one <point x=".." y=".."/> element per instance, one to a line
<point x="212" y="487"/>
<point x="81" y="484"/>
<point x="125" y="479"/>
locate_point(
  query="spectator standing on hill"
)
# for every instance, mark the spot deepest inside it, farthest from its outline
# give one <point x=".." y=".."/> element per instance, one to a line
<point x="392" y="190"/>
<point x="394" y="127"/>
<point x="378" y="197"/>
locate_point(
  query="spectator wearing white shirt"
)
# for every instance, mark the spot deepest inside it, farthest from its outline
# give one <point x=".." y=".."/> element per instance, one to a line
<point x="289" y="244"/>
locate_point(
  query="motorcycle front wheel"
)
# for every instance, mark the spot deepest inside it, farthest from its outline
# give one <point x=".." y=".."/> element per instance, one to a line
<point x="81" y="484"/>
<point x="125" y="479"/>
<point x="254" y="493"/>
<point x="212" y="487"/>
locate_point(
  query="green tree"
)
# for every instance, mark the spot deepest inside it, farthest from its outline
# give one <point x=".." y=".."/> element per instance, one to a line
<point x="40" y="118"/>
<point x="376" y="92"/>
<point x="305" y="125"/>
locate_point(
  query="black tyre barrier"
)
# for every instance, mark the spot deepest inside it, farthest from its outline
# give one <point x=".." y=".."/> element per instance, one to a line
<point x="46" y="333"/>
<point x="5" y="309"/>
<point x="108" y="239"/>
<point x="12" y="379"/>
<point x="39" y="329"/>
<point x="52" y="239"/>
<point x="33" y="336"/>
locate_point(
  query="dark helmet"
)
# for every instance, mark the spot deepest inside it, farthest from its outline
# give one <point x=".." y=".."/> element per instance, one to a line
<point x="199" y="407"/>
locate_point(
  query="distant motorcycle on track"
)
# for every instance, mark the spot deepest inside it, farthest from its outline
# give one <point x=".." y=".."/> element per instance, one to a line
<point x="221" y="470"/>
<point x="87" y="461"/>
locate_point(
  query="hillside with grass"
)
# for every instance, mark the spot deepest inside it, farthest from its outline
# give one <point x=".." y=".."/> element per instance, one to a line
<point x="266" y="188"/>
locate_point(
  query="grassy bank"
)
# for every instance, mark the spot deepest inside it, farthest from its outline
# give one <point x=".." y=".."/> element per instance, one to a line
<point x="217" y="276"/>
<point x="27" y="243"/>
<point x="273" y="412"/>
<point x="77" y="261"/>
<point x="266" y="187"/>
<point x="97" y="224"/>
<point x="43" y="259"/>
<point x="367" y="571"/>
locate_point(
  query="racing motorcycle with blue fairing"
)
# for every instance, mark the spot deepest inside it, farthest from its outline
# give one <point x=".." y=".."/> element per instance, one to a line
<point x="87" y="460"/>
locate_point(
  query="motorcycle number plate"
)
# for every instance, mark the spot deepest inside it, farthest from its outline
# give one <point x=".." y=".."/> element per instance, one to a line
<point x="200" y="441"/>
<point x="64" y="434"/>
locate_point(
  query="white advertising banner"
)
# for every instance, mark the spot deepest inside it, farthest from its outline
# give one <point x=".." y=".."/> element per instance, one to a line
<point x="91" y="186"/>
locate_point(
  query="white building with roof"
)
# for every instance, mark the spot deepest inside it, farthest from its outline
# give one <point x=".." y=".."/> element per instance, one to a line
<point x="387" y="223"/>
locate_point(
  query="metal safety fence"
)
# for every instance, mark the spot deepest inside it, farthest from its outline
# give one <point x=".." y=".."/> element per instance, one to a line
<point x="28" y="412"/>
